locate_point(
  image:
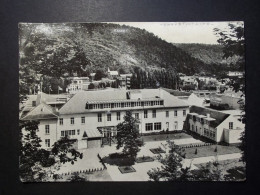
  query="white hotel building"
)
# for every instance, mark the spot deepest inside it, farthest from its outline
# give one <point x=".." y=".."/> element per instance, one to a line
<point x="90" y="116"/>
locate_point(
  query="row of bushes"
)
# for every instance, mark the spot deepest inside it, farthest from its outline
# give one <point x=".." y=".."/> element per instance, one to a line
<point x="196" y="145"/>
<point x="59" y="176"/>
<point x="163" y="132"/>
<point x="84" y="171"/>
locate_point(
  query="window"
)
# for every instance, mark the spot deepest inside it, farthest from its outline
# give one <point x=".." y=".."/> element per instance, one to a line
<point x="99" y="117"/>
<point x="72" y="120"/>
<point x="107" y="105"/>
<point x="157" y="126"/>
<point x="184" y="112"/>
<point x="109" y="117"/>
<point x="61" y="121"/>
<point x="154" y="113"/>
<point x="33" y="103"/>
<point x="78" y="131"/>
<point x="230" y="125"/>
<point x="149" y="126"/>
<point x="175" y="113"/>
<point x="67" y="133"/>
<point x="167" y="114"/>
<point x="47" y="143"/>
<point x="47" y="129"/>
<point x="175" y="125"/>
<point x="83" y="119"/>
<point x="118" y="116"/>
<point x="137" y="115"/>
<point x="145" y="113"/>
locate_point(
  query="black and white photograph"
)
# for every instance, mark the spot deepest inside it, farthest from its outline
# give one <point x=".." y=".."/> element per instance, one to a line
<point x="132" y="101"/>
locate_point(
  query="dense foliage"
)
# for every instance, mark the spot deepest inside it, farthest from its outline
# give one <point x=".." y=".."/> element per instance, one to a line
<point x="233" y="41"/>
<point x="154" y="79"/>
<point x="35" y="163"/>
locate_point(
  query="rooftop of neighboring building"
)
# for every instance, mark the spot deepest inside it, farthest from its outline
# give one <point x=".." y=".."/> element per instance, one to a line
<point x="42" y="111"/>
<point x="28" y="105"/>
<point x="50" y="98"/>
<point x="213" y="114"/>
<point x="177" y="92"/>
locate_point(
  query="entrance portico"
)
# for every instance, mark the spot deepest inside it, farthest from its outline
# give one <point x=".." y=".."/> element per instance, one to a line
<point x="109" y="133"/>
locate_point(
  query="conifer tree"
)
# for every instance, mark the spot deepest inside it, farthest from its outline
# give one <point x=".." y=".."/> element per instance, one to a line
<point x="127" y="135"/>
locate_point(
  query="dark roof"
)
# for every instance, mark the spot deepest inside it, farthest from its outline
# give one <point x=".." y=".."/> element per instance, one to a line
<point x="219" y="116"/>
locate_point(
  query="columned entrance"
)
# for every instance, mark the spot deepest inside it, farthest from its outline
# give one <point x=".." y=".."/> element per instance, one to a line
<point x="109" y="135"/>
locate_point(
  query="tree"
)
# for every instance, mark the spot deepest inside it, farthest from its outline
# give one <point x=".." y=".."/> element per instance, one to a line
<point x="209" y="172"/>
<point x="36" y="163"/>
<point x="233" y="41"/>
<point x="91" y="86"/>
<point x="127" y="135"/>
<point x="121" y="71"/>
<point x="99" y="75"/>
<point x="172" y="168"/>
<point x="242" y="146"/>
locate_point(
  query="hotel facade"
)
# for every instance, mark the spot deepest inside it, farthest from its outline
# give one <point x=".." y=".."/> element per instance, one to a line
<point x="90" y="116"/>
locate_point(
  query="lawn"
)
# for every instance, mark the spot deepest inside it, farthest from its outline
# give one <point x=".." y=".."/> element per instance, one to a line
<point x="163" y="137"/>
<point x="208" y="151"/>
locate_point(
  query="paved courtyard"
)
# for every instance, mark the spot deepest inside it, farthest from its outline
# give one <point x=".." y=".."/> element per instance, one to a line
<point x="91" y="161"/>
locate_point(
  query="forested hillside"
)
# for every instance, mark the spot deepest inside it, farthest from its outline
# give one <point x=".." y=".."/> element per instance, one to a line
<point x="58" y="51"/>
<point x="207" y="53"/>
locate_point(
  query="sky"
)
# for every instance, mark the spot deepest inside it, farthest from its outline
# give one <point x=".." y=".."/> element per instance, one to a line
<point x="182" y="32"/>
